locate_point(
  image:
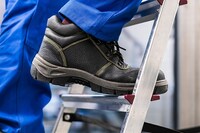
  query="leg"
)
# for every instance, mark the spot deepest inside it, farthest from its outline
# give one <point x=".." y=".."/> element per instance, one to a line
<point x="70" y="54"/>
<point x="22" y="98"/>
<point x="102" y="19"/>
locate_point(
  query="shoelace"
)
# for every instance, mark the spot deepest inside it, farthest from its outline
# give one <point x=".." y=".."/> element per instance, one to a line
<point x="114" y="49"/>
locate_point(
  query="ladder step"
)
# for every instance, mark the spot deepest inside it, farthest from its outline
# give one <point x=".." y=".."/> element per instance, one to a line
<point x="102" y="102"/>
<point x="147" y="11"/>
<point x="182" y="2"/>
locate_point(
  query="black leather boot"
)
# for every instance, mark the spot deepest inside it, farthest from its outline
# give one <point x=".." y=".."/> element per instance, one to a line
<point x="69" y="55"/>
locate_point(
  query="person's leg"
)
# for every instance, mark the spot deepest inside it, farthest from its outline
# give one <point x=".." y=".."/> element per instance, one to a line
<point x="22" y="98"/>
<point x="102" y="19"/>
<point x="80" y="53"/>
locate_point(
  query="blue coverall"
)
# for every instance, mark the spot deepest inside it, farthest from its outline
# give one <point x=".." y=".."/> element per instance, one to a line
<point x="21" y="97"/>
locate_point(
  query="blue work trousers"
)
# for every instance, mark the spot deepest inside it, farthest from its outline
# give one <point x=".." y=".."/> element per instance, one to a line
<point x="103" y="19"/>
<point x="21" y="97"/>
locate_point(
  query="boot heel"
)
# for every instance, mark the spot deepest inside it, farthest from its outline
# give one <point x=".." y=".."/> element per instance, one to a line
<point x="38" y="76"/>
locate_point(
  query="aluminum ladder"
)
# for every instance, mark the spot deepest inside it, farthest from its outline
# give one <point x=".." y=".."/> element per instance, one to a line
<point x="163" y="13"/>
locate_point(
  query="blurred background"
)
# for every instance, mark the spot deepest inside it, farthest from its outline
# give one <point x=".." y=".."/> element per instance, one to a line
<point x="180" y="107"/>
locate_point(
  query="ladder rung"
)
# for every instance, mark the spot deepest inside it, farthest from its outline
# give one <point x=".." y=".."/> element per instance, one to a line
<point x="147" y="11"/>
<point x="103" y="102"/>
<point x="182" y="2"/>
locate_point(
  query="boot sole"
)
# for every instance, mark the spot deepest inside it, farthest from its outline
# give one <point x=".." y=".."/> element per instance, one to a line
<point x="47" y="72"/>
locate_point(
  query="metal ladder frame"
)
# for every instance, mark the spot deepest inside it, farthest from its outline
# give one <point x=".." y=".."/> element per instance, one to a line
<point x="143" y="90"/>
<point x="150" y="66"/>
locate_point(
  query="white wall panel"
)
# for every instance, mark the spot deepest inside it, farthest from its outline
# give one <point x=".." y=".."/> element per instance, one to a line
<point x="189" y="64"/>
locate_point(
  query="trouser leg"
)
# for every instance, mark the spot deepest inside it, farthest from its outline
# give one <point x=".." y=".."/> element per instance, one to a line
<point x="102" y="19"/>
<point x="21" y="97"/>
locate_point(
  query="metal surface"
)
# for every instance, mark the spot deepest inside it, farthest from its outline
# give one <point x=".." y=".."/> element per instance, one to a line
<point x="60" y="125"/>
<point x="182" y="2"/>
<point x="100" y="102"/>
<point x="147" y="11"/>
<point x="94" y="98"/>
<point x="146" y="80"/>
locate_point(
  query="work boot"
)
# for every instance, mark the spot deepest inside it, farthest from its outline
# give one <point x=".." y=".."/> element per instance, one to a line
<point x="69" y="55"/>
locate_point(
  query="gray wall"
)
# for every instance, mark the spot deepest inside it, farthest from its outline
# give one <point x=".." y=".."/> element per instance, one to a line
<point x="189" y="65"/>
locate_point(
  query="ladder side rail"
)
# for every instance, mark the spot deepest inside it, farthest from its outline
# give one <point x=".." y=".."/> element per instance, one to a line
<point x="63" y="126"/>
<point x="146" y="80"/>
<point x="60" y="125"/>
